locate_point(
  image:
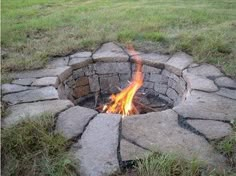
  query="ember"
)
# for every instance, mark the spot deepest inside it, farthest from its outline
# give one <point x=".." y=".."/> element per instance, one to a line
<point x="122" y="103"/>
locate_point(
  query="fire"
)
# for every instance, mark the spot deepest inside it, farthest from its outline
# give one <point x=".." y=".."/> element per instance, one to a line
<point x="122" y="103"/>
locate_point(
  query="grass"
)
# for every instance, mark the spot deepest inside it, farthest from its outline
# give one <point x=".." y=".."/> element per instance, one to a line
<point x="33" y="31"/>
<point x="31" y="148"/>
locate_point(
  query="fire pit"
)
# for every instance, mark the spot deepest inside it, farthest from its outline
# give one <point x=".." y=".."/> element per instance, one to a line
<point x="168" y="104"/>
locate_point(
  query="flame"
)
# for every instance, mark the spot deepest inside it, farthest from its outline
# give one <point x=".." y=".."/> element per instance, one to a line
<point x="122" y="103"/>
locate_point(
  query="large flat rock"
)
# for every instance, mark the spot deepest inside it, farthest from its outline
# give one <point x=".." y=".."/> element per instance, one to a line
<point x="199" y="82"/>
<point x="73" y="121"/>
<point x="45" y="93"/>
<point x="227" y="93"/>
<point x="110" y="52"/>
<point x="23" y="82"/>
<point x="78" y="62"/>
<point x="97" y="152"/>
<point x="152" y="59"/>
<point x="18" y="113"/>
<point x="178" y="62"/>
<point x="207" y="106"/>
<point x="12" y="88"/>
<point x="205" y="70"/>
<point x="159" y="131"/>
<point x="212" y="129"/>
<point x="46" y="81"/>
<point x="129" y="151"/>
<point x="226" y="82"/>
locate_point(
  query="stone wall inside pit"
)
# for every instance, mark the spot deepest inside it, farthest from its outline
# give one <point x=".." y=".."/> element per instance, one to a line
<point x="107" y="77"/>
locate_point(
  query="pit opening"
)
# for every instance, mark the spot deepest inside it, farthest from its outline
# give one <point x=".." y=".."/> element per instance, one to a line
<point x="91" y="85"/>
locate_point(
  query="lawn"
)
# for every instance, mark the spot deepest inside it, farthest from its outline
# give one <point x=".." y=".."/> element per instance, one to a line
<point x="34" y="31"/>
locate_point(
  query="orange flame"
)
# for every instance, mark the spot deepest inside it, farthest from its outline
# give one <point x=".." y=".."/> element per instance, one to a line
<point x="122" y="103"/>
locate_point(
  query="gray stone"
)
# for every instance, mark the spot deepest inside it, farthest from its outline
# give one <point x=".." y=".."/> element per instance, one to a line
<point x="18" y="113"/>
<point x="46" y="81"/>
<point x="227" y="93"/>
<point x="58" y="62"/>
<point x="109" y="84"/>
<point x="167" y="99"/>
<point x="148" y="69"/>
<point x="60" y="71"/>
<point x="212" y="129"/>
<point x="81" y="54"/>
<point x="70" y="82"/>
<point x="207" y="106"/>
<point x="205" y="70"/>
<point x="78" y="73"/>
<point x="65" y="74"/>
<point x="160" y="132"/>
<point x="172" y="94"/>
<point x="172" y="83"/>
<point x="93" y="83"/>
<point x="160" y="88"/>
<point x="225" y="82"/>
<point x="199" y="82"/>
<point x="61" y="92"/>
<point x="12" y="88"/>
<point x="110" y="52"/>
<point x="45" y="93"/>
<point x="23" y="82"/>
<point x="97" y="153"/>
<point x="79" y="62"/>
<point x="157" y="78"/>
<point x="106" y="68"/>
<point x="153" y="59"/>
<point x="72" y="122"/>
<point x="178" y="62"/>
<point x="129" y="151"/>
<point x="149" y="85"/>
<point x="125" y="76"/>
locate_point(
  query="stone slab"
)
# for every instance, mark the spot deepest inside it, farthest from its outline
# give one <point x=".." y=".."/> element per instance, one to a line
<point x="153" y="59"/>
<point x="12" y="88"/>
<point x="212" y="129"/>
<point x="45" y="93"/>
<point x="227" y="93"/>
<point x="109" y="84"/>
<point x="205" y="70"/>
<point x="207" y="106"/>
<point x="178" y="62"/>
<point x="46" y="81"/>
<point x="18" y="113"/>
<point x="97" y="151"/>
<point x="129" y="151"/>
<point x="110" y="52"/>
<point x="72" y="122"/>
<point x="83" y="54"/>
<point x="79" y="62"/>
<point x="23" y="82"/>
<point x="58" y="62"/>
<point x="225" y="82"/>
<point x="160" y="132"/>
<point x="106" y="68"/>
<point x="199" y="82"/>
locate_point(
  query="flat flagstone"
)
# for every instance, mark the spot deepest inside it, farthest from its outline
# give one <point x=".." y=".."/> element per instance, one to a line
<point x="160" y="132"/>
<point x="129" y="151"/>
<point x="225" y="82"/>
<point x="178" y="62"/>
<point x="110" y="52"/>
<point x="18" y="113"/>
<point x="79" y="62"/>
<point x="62" y="72"/>
<point x="45" y="93"/>
<point x="199" y="82"/>
<point x="97" y="150"/>
<point x="212" y="129"/>
<point x="23" y="82"/>
<point x="12" y="88"/>
<point x="205" y="70"/>
<point x="46" y="81"/>
<point x="207" y="106"/>
<point x="153" y="59"/>
<point x="83" y="54"/>
<point x="227" y="93"/>
<point x="72" y="122"/>
<point x="58" y="62"/>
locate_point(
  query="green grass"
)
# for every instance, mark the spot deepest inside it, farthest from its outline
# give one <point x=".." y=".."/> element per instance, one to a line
<point x="31" y="148"/>
<point x="33" y="31"/>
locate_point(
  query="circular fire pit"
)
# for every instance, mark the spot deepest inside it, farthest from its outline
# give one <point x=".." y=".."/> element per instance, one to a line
<point x="184" y="106"/>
